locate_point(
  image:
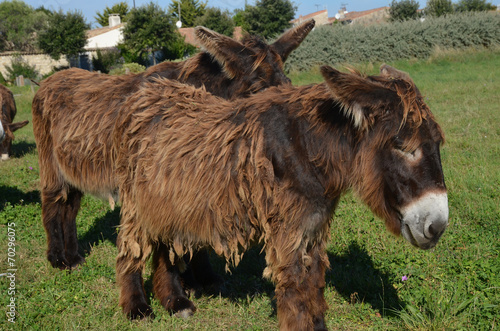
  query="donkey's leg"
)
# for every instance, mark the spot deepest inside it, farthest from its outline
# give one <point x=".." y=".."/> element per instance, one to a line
<point x="167" y="285"/>
<point x="69" y="210"/>
<point x="59" y="219"/>
<point x="316" y="277"/>
<point x="300" y="282"/>
<point x="53" y="228"/>
<point x="129" y="267"/>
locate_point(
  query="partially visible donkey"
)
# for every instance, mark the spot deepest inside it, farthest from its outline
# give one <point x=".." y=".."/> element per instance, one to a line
<point x="7" y="128"/>
<point x="227" y="68"/>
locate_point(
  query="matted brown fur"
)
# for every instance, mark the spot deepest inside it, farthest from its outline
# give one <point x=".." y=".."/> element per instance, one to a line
<point x="74" y="113"/>
<point x="195" y="170"/>
<point x="7" y="114"/>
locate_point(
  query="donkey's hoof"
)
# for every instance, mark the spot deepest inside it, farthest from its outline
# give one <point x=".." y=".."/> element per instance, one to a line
<point x="76" y="261"/>
<point x="186" y="313"/>
<point x="139" y="311"/>
<point x="181" y="307"/>
<point x="58" y="261"/>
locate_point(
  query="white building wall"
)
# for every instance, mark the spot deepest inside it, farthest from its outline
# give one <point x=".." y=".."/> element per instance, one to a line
<point x="105" y="40"/>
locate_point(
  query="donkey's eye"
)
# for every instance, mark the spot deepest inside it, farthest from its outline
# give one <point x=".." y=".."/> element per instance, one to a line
<point x="398" y="143"/>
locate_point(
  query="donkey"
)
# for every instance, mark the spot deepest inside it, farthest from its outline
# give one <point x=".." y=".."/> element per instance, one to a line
<point x="227" y="68"/>
<point x="7" y="128"/>
<point x="195" y="170"/>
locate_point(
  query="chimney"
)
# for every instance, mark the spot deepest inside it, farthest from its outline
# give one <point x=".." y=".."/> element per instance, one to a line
<point x="114" y="20"/>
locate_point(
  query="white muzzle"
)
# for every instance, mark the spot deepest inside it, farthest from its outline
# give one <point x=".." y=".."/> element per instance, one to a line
<point x="424" y="220"/>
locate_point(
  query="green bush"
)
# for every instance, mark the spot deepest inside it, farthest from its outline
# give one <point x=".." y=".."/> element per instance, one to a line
<point x="18" y="66"/>
<point x="106" y="60"/>
<point x="133" y="68"/>
<point x="439" y="7"/>
<point x="394" y="41"/>
<point x="473" y="5"/>
<point x="403" y="10"/>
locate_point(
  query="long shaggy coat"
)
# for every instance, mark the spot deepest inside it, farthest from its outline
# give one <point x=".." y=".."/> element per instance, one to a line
<point x="195" y="170"/>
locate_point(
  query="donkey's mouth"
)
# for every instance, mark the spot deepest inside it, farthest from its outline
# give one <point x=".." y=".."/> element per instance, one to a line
<point x="425" y="219"/>
<point x="408" y="235"/>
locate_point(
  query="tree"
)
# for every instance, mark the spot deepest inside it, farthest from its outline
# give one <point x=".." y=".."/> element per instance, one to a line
<point x="190" y="11"/>
<point x="473" y="5"/>
<point x="217" y="20"/>
<point x="65" y="35"/>
<point x="120" y="8"/>
<point x="267" y="18"/>
<point x="439" y="7"/>
<point x="239" y="19"/>
<point x="149" y="30"/>
<point x="403" y="10"/>
<point x="19" y="23"/>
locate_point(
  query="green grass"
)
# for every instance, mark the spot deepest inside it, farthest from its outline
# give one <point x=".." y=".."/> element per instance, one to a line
<point x="455" y="286"/>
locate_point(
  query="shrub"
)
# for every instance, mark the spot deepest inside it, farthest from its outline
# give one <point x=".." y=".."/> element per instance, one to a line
<point x="133" y="68"/>
<point x="439" y="7"/>
<point x="18" y="66"/>
<point x="473" y="5"/>
<point x="394" y="41"/>
<point x="403" y="10"/>
<point x="106" y="60"/>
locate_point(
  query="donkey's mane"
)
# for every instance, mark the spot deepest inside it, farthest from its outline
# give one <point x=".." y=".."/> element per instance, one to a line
<point x="256" y="42"/>
<point x="415" y="110"/>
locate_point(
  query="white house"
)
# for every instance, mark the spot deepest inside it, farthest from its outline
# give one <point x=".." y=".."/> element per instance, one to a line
<point x="106" y="37"/>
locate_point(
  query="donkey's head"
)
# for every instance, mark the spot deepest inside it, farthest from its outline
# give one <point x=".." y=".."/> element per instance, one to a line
<point x="7" y="112"/>
<point x="252" y="65"/>
<point x="397" y="164"/>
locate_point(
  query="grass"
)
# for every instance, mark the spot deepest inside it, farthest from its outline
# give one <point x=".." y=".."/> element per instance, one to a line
<point x="454" y="286"/>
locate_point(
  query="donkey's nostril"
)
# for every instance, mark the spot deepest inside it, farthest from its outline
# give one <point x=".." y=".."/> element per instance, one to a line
<point x="434" y="229"/>
<point x="431" y="230"/>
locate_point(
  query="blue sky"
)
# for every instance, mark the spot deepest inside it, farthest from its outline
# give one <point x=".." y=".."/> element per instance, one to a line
<point x="90" y="7"/>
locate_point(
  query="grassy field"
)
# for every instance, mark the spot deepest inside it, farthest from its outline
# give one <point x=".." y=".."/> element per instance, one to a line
<point x="376" y="281"/>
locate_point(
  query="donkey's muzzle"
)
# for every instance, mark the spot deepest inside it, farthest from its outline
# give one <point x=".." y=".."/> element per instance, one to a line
<point x="424" y="220"/>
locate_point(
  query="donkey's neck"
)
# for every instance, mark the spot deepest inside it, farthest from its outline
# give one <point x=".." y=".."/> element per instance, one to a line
<point x="330" y="137"/>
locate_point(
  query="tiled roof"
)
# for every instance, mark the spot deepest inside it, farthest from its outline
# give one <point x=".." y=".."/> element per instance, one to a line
<point x="357" y="14"/>
<point x="99" y="31"/>
<point x="308" y="16"/>
<point x="189" y="37"/>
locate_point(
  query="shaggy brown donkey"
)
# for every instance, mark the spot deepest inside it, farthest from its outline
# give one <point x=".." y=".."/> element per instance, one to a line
<point x="195" y="170"/>
<point x="228" y="69"/>
<point x="7" y="128"/>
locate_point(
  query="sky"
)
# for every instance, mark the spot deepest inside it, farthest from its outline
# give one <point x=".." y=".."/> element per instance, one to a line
<point x="304" y="7"/>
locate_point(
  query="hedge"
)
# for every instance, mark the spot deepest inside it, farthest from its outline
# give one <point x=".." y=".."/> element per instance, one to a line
<point x="394" y="41"/>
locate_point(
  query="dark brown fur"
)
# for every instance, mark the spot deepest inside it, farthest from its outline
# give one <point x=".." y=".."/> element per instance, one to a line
<point x="8" y="112"/>
<point x="195" y="170"/>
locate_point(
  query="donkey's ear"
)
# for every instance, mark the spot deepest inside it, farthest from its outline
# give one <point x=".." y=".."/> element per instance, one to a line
<point x="16" y="126"/>
<point x="225" y="50"/>
<point x="358" y="96"/>
<point x="292" y="38"/>
<point x="390" y="72"/>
